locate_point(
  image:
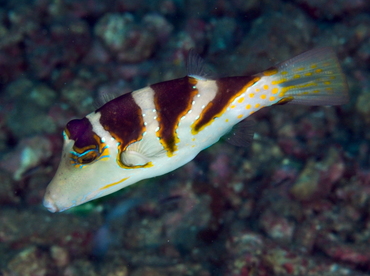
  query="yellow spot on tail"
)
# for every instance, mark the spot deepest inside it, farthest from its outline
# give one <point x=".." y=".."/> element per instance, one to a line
<point x="251" y="95"/>
<point x="265" y="87"/>
<point x="313" y="66"/>
<point x="227" y="120"/>
<point x="113" y="184"/>
<point x="257" y="105"/>
<point x="270" y="72"/>
<point x="274" y="90"/>
<point x="327" y="82"/>
<point x="263" y="96"/>
<point x="297" y="76"/>
<point x="248" y="106"/>
<point x="241" y="100"/>
<point x="258" y="90"/>
<point x="240" y="116"/>
<point x="284" y="73"/>
<point x="274" y="82"/>
<point x="272" y="98"/>
<point x="329" y="89"/>
<point x="318" y="70"/>
<point x="308" y="74"/>
<point x="233" y="106"/>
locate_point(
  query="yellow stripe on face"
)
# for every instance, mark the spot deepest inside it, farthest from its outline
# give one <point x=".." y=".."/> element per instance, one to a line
<point x="113" y="184"/>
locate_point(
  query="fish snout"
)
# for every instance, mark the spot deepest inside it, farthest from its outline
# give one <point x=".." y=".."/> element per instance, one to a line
<point x="49" y="203"/>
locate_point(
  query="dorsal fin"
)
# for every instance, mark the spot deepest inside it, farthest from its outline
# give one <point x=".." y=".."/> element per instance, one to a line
<point x="241" y="135"/>
<point x="195" y="66"/>
<point x="105" y="96"/>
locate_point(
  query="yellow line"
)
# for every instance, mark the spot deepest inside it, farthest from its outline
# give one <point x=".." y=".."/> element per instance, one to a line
<point x="114" y="183"/>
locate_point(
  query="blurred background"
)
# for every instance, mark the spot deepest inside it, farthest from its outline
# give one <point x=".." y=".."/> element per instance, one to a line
<point x="296" y="202"/>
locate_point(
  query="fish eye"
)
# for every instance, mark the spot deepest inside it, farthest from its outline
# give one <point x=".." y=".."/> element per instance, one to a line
<point x="84" y="158"/>
<point x="88" y="157"/>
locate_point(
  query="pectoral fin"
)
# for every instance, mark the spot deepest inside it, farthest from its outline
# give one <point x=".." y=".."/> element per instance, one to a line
<point x="133" y="158"/>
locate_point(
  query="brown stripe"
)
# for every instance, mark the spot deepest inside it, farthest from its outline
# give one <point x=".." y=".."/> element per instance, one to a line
<point x="172" y="99"/>
<point x="122" y="118"/>
<point x="227" y="90"/>
<point x="80" y="130"/>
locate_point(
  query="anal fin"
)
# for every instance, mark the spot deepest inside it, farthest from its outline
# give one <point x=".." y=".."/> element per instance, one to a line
<point x="241" y="135"/>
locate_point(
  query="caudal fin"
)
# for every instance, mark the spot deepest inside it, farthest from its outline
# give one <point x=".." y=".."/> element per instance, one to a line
<point x="312" y="78"/>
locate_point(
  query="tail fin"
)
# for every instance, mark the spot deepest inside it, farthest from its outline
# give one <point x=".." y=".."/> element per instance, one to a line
<point x="311" y="78"/>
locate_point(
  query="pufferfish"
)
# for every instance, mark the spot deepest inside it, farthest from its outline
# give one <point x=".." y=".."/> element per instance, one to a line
<point x="159" y="128"/>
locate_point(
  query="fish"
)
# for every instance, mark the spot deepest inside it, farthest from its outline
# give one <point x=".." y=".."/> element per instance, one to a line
<point x="159" y="128"/>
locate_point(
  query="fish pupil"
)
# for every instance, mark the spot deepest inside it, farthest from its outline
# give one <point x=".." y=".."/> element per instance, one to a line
<point x="88" y="157"/>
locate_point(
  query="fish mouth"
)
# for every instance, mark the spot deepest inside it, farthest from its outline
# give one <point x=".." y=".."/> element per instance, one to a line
<point x="50" y="205"/>
<point x="53" y="203"/>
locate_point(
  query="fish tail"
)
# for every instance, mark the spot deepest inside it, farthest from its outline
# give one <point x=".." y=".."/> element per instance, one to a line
<point x="311" y="78"/>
